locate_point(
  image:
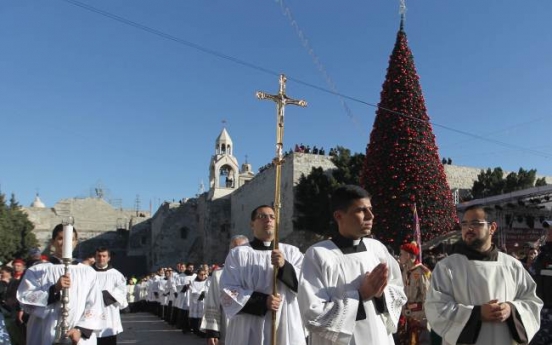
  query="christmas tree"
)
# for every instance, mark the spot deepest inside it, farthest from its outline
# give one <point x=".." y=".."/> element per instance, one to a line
<point x="402" y="169"/>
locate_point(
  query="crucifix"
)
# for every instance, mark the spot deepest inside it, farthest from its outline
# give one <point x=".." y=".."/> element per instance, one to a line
<point x="281" y="100"/>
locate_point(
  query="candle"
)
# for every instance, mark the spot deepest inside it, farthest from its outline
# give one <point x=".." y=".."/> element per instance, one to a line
<point x="67" y="252"/>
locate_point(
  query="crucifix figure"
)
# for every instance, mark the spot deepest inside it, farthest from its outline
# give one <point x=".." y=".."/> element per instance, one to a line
<point x="281" y="100"/>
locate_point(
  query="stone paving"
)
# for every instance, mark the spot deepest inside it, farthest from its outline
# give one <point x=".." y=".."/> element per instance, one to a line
<point x="147" y="329"/>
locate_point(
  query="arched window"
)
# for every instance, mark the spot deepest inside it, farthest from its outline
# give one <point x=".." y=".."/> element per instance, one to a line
<point x="184" y="232"/>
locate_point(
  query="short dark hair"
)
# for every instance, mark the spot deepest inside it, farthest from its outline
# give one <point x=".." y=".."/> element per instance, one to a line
<point x="59" y="228"/>
<point x="344" y="196"/>
<point x="489" y="212"/>
<point x="254" y="212"/>
<point x="7" y="269"/>
<point x="103" y="249"/>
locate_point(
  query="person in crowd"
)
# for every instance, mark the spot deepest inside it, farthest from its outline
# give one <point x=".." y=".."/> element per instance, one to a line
<point x="40" y="296"/>
<point x="543" y="278"/>
<point x="131" y="287"/>
<point x="479" y="295"/>
<point x="528" y="261"/>
<point x="196" y="299"/>
<point x="89" y="259"/>
<point x="416" y="278"/>
<point x="112" y="285"/>
<point x="8" y="308"/>
<point x="351" y="290"/>
<point x="214" y="320"/>
<point x="247" y="294"/>
<point x="182" y="287"/>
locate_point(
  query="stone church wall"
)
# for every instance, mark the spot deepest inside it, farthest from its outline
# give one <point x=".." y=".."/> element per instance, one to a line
<point x="260" y="190"/>
<point x="93" y="217"/>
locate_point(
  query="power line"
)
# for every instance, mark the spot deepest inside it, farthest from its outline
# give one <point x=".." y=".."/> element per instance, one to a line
<point x="298" y="81"/>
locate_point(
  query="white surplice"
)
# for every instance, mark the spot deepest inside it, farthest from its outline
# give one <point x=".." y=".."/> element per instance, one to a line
<point x="195" y="305"/>
<point x="458" y="284"/>
<point x="182" y="298"/>
<point x="214" y="318"/>
<point x="113" y="282"/>
<point x="85" y="308"/>
<point x="329" y="297"/>
<point x="247" y="270"/>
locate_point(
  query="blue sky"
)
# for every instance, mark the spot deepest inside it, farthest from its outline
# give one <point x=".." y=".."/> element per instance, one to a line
<point x="88" y="100"/>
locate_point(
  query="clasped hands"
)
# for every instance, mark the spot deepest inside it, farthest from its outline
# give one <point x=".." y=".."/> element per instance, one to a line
<point x="493" y="311"/>
<point x="373" y="283"/>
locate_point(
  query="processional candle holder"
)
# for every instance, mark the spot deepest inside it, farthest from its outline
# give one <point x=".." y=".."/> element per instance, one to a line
<point x="67" y="257"/>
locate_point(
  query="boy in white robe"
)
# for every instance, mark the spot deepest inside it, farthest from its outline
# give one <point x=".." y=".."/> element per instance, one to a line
<point x="479" y="295"/>
<point x="112" y="285"/>
<point x="196" y="300"/>
<point x="351" y="289"/>
<point x="39" y="295"/>
<point x="246" y="284"/>
<point x="214" y="320"/>
<point x="182" y="286"/>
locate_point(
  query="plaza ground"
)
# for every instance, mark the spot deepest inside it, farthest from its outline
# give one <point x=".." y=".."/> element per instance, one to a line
<point x="147" y="329"/>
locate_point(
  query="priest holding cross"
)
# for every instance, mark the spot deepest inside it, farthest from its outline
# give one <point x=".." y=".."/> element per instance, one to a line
<point x="260" y="281"/>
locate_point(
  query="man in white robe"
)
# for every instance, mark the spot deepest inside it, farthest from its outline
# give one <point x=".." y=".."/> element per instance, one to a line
<point x="479" y="295"/>
<point x="351" y="289"/>
<point x="246" y="283"/>
<point x="112" y="285"/>
<point x="182" y="286"/>
<point x="214" y="320"/>
<point x="40" y="291"/>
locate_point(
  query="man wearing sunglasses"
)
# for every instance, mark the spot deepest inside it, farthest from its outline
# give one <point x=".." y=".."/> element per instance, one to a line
<point x="246" y="287"/>
<point x="479" y="295"/>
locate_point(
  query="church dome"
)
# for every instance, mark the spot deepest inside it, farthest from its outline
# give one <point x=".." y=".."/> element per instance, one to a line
<point x="38" y="203"/>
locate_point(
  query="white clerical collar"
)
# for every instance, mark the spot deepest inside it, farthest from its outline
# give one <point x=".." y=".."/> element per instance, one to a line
<point x="102" y="268"/>
<point x="267" y="243"/>
<point x="356" y="242"/>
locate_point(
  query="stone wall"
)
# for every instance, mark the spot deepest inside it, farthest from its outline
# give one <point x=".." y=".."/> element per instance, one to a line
<point x="461" y="177"/>
<point x="93" y="217"/>
<point x="261" y="189"/>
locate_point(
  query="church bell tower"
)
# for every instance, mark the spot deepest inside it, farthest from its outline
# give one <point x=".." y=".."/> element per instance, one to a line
<point x="224" y="168"/>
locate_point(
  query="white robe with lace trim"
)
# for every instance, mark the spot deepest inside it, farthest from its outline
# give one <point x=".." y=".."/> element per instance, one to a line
<point x="459" y="284"/>
<point x="329" y="297"/>
<point x="214" y="318"/>
<point x="84" y="300"/>
<point x="114" y="282"/>
<point x="247" y="270"/>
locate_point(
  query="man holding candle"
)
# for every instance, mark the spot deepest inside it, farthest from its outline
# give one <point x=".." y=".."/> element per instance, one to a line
<point x="40" y="295"/>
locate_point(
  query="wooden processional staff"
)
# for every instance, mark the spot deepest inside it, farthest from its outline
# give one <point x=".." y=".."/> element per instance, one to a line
<point x="281" y="100"/>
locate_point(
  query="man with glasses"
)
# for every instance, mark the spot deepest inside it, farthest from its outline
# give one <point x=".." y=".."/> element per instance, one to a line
<point x="479" y="295"/>
<point x="246" y="287"/>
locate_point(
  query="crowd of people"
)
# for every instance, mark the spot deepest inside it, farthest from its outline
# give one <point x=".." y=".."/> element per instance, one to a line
<point x="300" y="148"/>
<point x="347" y="289"/>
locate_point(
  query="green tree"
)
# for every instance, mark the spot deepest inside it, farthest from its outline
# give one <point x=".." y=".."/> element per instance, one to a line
<point x="312" y="193"/>
<point x="489" y="182"/>
<point x="348" y="166"/>
<point x="16" y="237"/>
<point x="492" y="182"/>
<point x="540" y="182"/>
